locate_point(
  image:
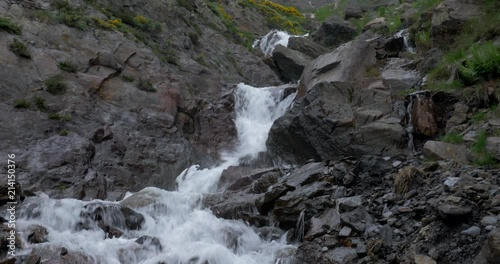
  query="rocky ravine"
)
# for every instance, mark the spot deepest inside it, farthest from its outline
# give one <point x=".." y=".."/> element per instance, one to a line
<point x="362" y="187"/>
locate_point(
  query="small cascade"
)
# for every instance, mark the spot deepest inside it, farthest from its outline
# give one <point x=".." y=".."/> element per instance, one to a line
<point x="272" y="39"/>
<point x="405" y="34"/>
<point x="157" y="226"/>
<point x="409" y="112"/>
<point x="299" y="228"/>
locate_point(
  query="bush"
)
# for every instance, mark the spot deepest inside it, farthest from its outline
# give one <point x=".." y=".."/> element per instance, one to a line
<point x="67" y="66"/>
<point x="63" y="132"/>
<point x="483" y="63"/>
<point x="145" y="85"/>
<point x="453" y="137"/>
<point x="20" y="49"/>
<point x="54" y="116"/>
<point x="40" y="103"/>
<point x="21" y="103"/>
<point x="8" y="26"/>
<point x="71" y="17"/>
<point x="146" y="24"/>
<point x="55" y="85"/>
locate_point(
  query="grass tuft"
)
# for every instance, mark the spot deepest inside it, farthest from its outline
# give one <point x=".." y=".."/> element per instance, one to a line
<point x="22" y="103"/>
<point x="55" y="85"/>
<point x="10" y="27"/>
<point x="20" y="49"/>
<point x="453" y="138"/>
<point x="67" y="66"/>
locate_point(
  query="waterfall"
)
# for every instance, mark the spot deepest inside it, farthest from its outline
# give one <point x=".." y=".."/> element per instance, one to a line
<point x="175" y="229"/>
<point x="273" y="39"/>
<point x="405" y="34"/>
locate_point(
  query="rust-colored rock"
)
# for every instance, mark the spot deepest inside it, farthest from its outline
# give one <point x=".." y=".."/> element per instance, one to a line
<point x="423" y="116"/>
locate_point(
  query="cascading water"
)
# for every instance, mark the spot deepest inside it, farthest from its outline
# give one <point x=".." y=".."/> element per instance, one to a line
<point x="175" y="229"/>
<point x="405" y="34"/>
<point x="273" y="39"/>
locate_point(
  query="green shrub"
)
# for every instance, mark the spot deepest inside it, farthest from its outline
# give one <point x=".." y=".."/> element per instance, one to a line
<point x="453" y="137"/>
<point x="146" y="24"/>
<point x="8" y="26"/>
<point x="40" y="103"/>
<point x="54" y="116"/>
<point x="423" y="40"/>
<point x="127" y="78"/>
<point x="187" y="4"/>
<point x="483" y="63"/>
<point x="21" y="103"/>
<point x="481" y="156"/>
<point x="145" y="85"/>
<point x="478" y="117"/>
<point x="71" y="17"/>
<point x="20" y="49"/>
<point x="63" y="132"/>
<point x="55" y="85"/>
<point x="67" y="66"/>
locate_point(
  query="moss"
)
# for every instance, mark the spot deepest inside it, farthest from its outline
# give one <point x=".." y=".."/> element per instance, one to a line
<point x="145" y="85"/>
<point x="67" y="66"/>
<point x="55" y="85"/>
<point x="22" y="103"/>
<point x="63" y="132"/>
<point x="20" y="49"/>
<point x="453" y="138"/>
<point x="8" y="26"/>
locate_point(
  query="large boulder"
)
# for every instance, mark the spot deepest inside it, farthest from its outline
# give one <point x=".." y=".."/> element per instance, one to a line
<point x="306" y="46"/>
<point x="334" y="32"/>
<point x="290" y="63"/>
<point x="436" y="150"/>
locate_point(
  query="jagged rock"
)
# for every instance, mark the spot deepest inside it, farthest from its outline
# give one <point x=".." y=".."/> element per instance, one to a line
<point x="290" y="63"/>
<point x="37" y="234"/>
<point x="400" y="78"/>
<point x="102" y="134"/>
<point x="452" y="213"/>
<point x="349" y="203"/>
<point x="240" y="177"/>
<point x="266" y="203"/>
<point x="333" y="32"/>
<point x="493" y="146"/>
<point x="357" y="219"/>
<point x="113" y="216"/>
<point x="306" y="46"/>
<point x="445" y="151"/>
<point x="326" y="222"/>
<point x="459" y="115"/>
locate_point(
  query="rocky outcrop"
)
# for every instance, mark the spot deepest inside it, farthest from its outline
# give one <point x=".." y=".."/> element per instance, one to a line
<point x="306" y="46"/>
<point x="334" y="32"/>
<point x="436" y="150"/>
<point x="342" y="112"/>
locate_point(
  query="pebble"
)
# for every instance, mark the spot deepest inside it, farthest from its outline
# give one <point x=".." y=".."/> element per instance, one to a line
<point x="345" y="231"/>
<point x="489" y="220"/>
<point x="324" y="249"/>
<point x="404" y="209"/>
<point x="473" y="231"/>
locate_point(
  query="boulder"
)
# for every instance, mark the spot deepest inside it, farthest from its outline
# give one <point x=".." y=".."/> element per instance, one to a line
<point x="357" y="219"/>
<point x="449" y="18"/>
<point x="400" y="78"/>
<point x="436" y="150"/>
<point x="328" y="221"/>
<point x="290" y="63"/>
<point x="452" y="213"/>
<point x="424" y="116"/>
<point x="306" y="46"/>
<point x="341" y="255"/>
<point x="459" y="115"/>
<point x="377" y="24"/>
<point x="333" y="32"/>
<point x="37" y="234"/>
<point x="493" y="146"/>
<point x="493" y="246"/>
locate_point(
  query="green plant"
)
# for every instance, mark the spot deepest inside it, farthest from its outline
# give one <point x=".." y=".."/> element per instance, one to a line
<point x="423" y="40"/>
<point x="127" y="78"/>
<point x="145" y="85"/>
<point x="40" y="103"/>
<point x="63" y="132"/>
<point x="481" y="156"/>
<point x="55" y="85"/>
<point x="8" y="26"/>
<point x="187" y="4"/>
<point x="54" y="116"/>
<point x="453" y="137"/>
<point x="478" y="117"/>
<point x="72" y="17"/>
<point x="146" y="24"/>
<point x="21" y="103"/>
<point x="483" y="63"/>
<point x="20" y="49"/>
<point x="67" y="66"/>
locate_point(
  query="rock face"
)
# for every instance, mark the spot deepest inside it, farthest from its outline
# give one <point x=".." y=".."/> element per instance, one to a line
<point x="306" y="46"/>
<point x="290" y="63"/>
<point x="342" y="113"/>
<point x="334" y="32"/>
<point x="137" y="111"/>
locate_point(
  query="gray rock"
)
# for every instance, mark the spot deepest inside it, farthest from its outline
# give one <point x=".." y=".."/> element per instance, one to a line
<point x="333" y="32"/>
<point x="422" y="259"/>
<point x="436" y="150"/>
<point x="493" y="246"/>
<point x="341" y="255"/>
<point x="493" y="146"/>
<point x="37" y="234"/>
<point x="306" y="46"/>
<point x="328" y="221"/>
<point x="345" y="231"/>
<point x="473" y="231"/>
<point x="452" y="213"/>
<point x="349" y="203"/>
<point x="290" y="63"/>
<point x="357" y="219"/>
<point x="459" y="115"/>
<point x="489" y="220"/>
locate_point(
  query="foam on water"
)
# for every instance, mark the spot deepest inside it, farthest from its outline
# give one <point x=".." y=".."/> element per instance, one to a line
<point x="272" y="39"/>
<point x="188" y="233"/>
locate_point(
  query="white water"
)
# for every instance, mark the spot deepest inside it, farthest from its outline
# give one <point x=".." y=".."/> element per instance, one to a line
<point x="187" y="232"/>
<point x="272" y="39"/>
<point x="405" y="34"/>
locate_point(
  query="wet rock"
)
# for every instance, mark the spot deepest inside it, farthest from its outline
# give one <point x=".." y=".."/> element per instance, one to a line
<point x="333" y="32"/>
<point x="265" y="203"/>
<point x="262" y="184"/>
<point x="436" y="150"/>
<point x="33" y="259"/>
<point x="37" y="234"/>
<point x="375" y="166"/>
<point x="306" y="46"/>
<point x="290" y="63"/>
<point x="326" y="222"/>
<point x="424" y="116"/>
<point x="452" y="213"/>
<point x="473" y="231"/>
<point x="341" y="255"/>
<point x="150" y="242"/>
<point x="113" y="216"/>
